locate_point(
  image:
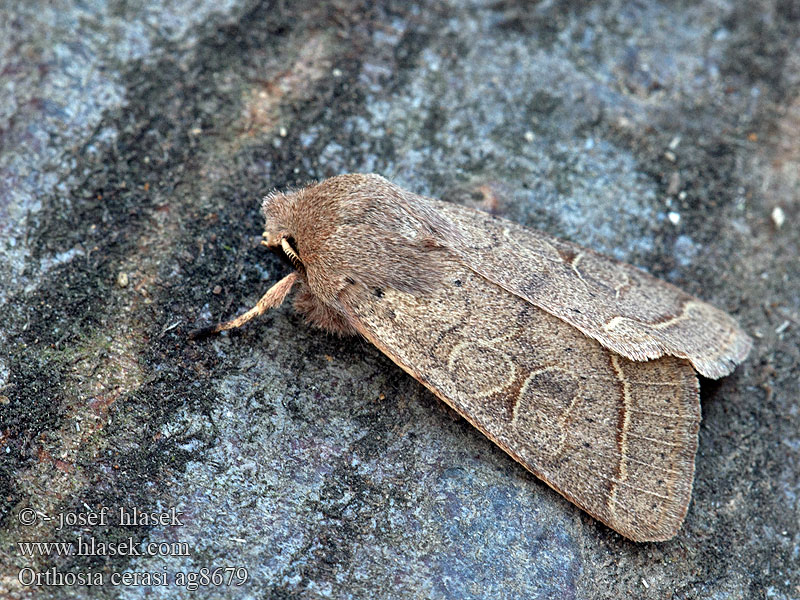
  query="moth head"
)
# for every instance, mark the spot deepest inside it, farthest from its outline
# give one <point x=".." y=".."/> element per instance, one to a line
<point x="280" y="228"/>
<point x="305" y="227"/>
<point x="285" y="246"/>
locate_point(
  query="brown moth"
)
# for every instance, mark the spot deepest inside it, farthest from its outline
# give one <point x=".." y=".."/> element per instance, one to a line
<point x="581" y="367"/>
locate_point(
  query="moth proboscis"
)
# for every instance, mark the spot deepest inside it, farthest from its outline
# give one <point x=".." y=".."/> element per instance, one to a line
<point x="581" y="367"/>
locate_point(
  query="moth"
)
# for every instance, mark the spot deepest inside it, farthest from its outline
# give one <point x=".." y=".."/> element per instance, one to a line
<point x="581" y="367"/>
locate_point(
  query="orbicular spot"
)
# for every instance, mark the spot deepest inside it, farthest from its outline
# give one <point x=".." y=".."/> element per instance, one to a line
<point x="605" y="278"/>
<point x="481" y="368"/>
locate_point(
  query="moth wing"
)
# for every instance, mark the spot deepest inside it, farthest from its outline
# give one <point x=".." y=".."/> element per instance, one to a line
<point x="618" y="438"/>
<point x="624" y="308"/>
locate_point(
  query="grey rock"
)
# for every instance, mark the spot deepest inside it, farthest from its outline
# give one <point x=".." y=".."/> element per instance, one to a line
<point x="137" y="139"/>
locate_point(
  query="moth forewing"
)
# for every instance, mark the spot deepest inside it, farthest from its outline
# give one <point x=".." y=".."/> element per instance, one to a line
<point x="615" y="437"/>
<point x="624" y="308"/>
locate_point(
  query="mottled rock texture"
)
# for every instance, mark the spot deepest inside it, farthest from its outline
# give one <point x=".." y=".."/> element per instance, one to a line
<point x="136" y="139"/>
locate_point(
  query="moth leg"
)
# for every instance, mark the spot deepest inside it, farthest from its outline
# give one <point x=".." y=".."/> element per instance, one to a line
<point x="274" y="297"/>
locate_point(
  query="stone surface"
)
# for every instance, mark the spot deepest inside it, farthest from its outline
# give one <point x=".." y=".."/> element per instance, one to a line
<point x="135" y="142"/>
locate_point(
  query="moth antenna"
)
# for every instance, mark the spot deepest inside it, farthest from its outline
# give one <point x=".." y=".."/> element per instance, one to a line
<point x="274" y="297"/>
<point x="287" y="248"/>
